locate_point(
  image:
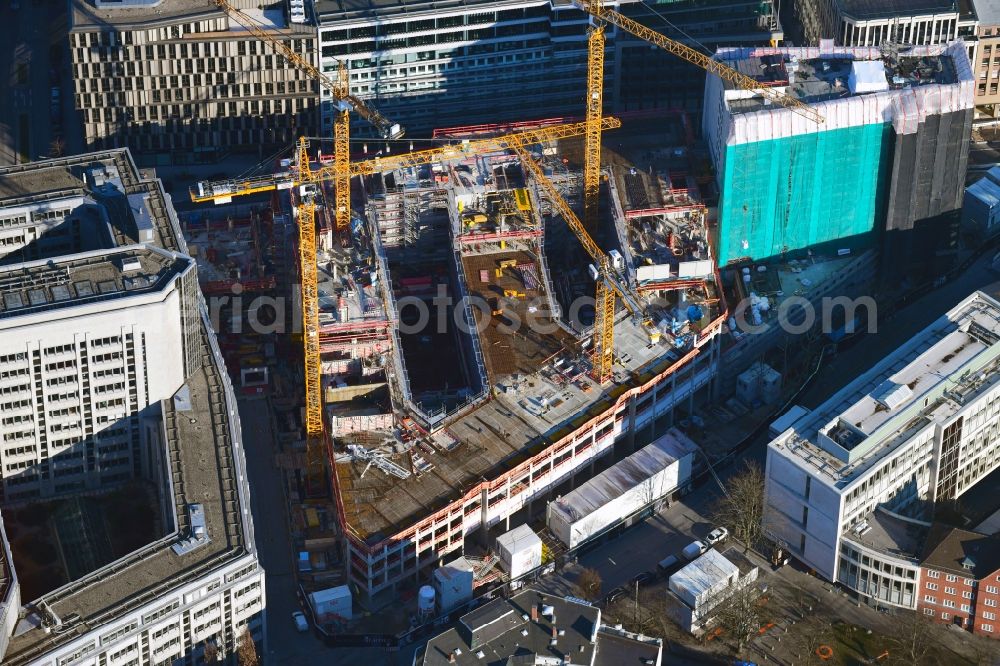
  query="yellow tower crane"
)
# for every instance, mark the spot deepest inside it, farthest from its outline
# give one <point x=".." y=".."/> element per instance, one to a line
<point x="608" y="281"/>
<point x="342" y="98"/>
<point x="595" y="85"/>
<point x="224" y="191"/>
<point x="345" y="102"/>
<point x="595" y="110"/>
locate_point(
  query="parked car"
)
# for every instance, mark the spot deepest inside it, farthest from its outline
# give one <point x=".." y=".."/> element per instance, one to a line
<point x="694" y="549"/>
<point x="301" y="623"/>
<point x="644" y="579"/>
<point x="718" y="535"/>
<point x="615" y="594"/>
<point x="668" y="564"/>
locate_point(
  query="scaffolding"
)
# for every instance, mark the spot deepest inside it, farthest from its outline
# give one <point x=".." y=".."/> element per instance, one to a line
<point x="786" y="194"/>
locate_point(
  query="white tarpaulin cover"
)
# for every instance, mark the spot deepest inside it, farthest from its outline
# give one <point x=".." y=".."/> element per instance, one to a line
<point x="867" y="76"/>
<point x="904" y="107"/>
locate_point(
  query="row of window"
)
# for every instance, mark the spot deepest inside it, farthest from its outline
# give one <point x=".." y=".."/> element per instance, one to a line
<point x="214" y="112"/>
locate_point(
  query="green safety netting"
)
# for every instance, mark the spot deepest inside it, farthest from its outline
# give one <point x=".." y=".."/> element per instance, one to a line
<point x="788" y="194"/>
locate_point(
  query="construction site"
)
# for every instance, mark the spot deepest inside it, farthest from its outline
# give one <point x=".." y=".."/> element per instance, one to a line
<point x="484" y="324"/>
<point x="464" y="422"/>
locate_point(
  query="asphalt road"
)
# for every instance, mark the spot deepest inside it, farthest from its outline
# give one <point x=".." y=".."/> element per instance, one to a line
<point x="285" y="646"/>
<point x="29" y="73"/>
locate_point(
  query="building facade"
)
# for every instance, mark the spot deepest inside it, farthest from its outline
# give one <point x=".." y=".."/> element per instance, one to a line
<point x="10" y="593"/>
<point x="986" y="59"/>
<point x="960" y="582"/>
<point x="442" y="64"/>
<point x="850" y="485"/>
<point x="861" y="23"/>
<point x="110" y="372"/>
<point x="886" y="151"/>
<point x="89" y="341"/>
<point x="183" y="81"/>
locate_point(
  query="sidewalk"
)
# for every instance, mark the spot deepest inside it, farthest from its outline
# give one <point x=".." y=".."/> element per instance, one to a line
<point x="796" y="597"/>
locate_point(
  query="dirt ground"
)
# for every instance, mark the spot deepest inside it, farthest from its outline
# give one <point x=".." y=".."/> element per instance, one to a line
<point x="510" y="344"/>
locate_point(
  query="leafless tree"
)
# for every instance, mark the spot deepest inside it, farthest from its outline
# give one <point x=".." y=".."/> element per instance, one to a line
<point x="911" y="639"/>
<point x="211" y="653"/>
<point x="589" y="584"/>
<point x="805" y="637"/>
<point x="246" y="649"/>
<point x="741" y="509"/>
<point x="645" y="614"/>
<point x="739" y="614"/>
<point x="57" y="147"/>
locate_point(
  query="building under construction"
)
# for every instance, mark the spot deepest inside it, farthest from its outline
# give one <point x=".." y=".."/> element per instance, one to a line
<point x="887" y="162"/>
<point x="447" y="427"/>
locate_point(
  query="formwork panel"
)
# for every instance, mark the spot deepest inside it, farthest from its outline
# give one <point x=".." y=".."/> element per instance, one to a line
<point x="786" y="194"/>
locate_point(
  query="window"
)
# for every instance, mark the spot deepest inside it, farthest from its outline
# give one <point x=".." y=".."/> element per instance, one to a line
<point x="933" y="574"/>
<point x="990" y="602"/>
<point x="966" y="608"/>
<point x="987" y="615"/>
<point x="988" y="628"/>
<point x="948" y="603"/>
<point x="951" y="578"/>
<point x="932" y="586"/>
<point x="949" y="590"/>
<point x="966" y="594"/>
<point x="928" y="611"/>
<point x="930" y="598"/>
<point x="992" y="589"/>
<point x="945" y="616"/>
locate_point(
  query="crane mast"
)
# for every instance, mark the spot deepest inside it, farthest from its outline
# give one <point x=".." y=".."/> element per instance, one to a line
<point x="597" y="9"/>
<point x="306" y="218"/>
<point x="308" y="273"/>
<point x="595" y="109"/>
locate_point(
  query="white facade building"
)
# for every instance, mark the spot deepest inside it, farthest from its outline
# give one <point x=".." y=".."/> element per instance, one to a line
<point x="109" y="372"/>
<point x="867" y="23"/>
<point x="850" y="484"/>
<point x="89" y="340"/>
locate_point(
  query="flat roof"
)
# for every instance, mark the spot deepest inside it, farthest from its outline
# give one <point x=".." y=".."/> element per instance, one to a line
<point x="85" y="15"/>
<point x="331" y="12"/>
<point x="925" y="381"/>
<point x="199" y="439"/>
<point x="101" y="275"/>
<point x="876" y="9"/>
<point x="886" y="532"/>
<point x="987" y="11"/>
<point x="503" y="628"/>
<point x="126" y="194"/>
<point x="619" y="648"/>
<point x="827" y="77"/>
<point x="623" y="476"/>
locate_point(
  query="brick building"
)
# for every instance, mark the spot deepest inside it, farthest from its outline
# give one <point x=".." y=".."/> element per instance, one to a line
<point x="960" y="579"/>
